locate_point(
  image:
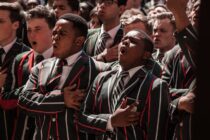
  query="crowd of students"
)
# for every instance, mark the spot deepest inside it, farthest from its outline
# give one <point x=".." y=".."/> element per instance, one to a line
<point x="103" y="70"/>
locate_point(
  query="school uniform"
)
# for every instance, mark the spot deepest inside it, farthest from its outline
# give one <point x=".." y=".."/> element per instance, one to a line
<point x="43" y="96"/>
<point x="90" y="46"/>
<point x="7" y="117"/>
<point x="21" y="69"/>
<point x="180" y="77"/>
<point x="142" y="86"/>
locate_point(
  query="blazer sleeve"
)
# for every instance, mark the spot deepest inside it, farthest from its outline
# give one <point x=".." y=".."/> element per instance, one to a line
<point x="157" y="112"/>
<point x="35" y="99"/>
<point x="91" y="120"/>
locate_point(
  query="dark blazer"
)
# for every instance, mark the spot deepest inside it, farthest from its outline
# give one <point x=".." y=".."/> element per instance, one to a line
<point x="7" y="117"/>
<point x="188" y="40"/>
<point x="93" y="34"/>
<point x="22" y="66"/>
<point x="53" y="119"/>
<point x="180" y="75"/>
<point x="150" y="91"/>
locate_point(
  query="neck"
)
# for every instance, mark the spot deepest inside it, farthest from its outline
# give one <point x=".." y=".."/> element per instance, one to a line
<point x="108" y="26"/>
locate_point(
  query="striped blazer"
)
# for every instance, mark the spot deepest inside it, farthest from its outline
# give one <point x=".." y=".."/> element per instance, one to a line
<point x="150" y="91"/>
<point x="7" y="117"/>
<point x="53" y="120"/>
<point x="180" y="76"/>
<point x="188" y="40"/>
<point x="93" y="34"/>
<point x="21" y="69"/>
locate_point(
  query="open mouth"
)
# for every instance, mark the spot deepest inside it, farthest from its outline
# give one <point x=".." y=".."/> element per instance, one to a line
<point x="123" y="50"/>
<point x="33" y="43"/>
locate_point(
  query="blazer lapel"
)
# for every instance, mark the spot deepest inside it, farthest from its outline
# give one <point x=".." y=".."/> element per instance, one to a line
<point x="77" y="69"/>
<point x="51" y="78"/>
<point x="91" y="43"/>
<point x="137" y="79"/>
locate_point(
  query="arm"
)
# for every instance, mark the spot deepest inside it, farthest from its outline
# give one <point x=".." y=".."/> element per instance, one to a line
<point x="89" y="120"/>
<point x="36" y="99"/>
<point x="185" y="35"/>
<point x="157" y="114"/>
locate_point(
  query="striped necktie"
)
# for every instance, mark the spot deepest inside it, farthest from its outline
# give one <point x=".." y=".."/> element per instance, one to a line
<point x="119" y="87"/>
<point x="102" y="43"/>
<point x="1" y="53"/>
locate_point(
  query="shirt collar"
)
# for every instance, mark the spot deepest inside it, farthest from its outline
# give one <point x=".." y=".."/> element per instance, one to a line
<point x="111" y="32"/>
<point x="8" y="46"/>
<point x="132" y="71"/>
<point x="72" y="59"/>
<point x="46" y="54"/>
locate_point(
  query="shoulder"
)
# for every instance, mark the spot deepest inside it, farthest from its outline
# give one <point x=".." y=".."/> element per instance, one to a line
<point x="93" y="31"/>
<point x="20" y="56"/>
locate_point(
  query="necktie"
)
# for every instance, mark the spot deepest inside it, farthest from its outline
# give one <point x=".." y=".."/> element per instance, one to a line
<point x="102" y="43"/>
<point x="160" y="57"/>
<point x="38" y="59"/>
<point x="1" y="53"/>
<point x="119" y="87"/>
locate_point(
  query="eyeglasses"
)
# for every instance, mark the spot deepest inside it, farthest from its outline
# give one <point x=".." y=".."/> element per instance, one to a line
<point x="106" y="2"/>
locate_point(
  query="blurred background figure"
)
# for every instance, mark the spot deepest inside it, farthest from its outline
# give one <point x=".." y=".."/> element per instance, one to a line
<point x="95" y="21"/>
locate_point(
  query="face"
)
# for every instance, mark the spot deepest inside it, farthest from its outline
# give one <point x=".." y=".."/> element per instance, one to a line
<point x="195" y="14"/>
<point x="39" y="34"/>
<point x="131" y="50"/>
<point x="136" y="25"/>
<point x="61" y="7"/>
<point x="7" y="28"/>
<point x="163" y="35"/>
<point x="108" y="11"/>
<point x="64" y="39"/>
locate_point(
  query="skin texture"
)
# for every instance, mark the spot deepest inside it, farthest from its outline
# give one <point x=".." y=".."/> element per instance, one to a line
<point x="39" y="34"/>
<point x="163" y="35"/>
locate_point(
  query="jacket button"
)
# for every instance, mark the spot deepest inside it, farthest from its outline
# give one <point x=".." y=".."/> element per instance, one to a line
<point x="53" y="119"/>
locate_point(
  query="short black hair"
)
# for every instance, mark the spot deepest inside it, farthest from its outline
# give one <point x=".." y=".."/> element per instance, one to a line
<point x="74" y="4"/>
<point x="16" y="12"/>
<point x="119" y="2"/>
<point x="79" y="23"/>
<point x="41" y="11"/>
<point x="148" y="43"/>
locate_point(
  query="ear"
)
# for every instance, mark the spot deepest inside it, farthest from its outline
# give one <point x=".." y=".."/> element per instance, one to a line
<point x="15" y="25"/>
<point x="146" y="55"/>
<point x="79" y="41"/>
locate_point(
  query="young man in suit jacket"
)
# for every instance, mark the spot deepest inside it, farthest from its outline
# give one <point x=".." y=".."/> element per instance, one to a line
<point x="109" y="12"/>
<point x="140" y="109"/>
<point x="40" y="22"/>
<point x="57" y="86"/>
<point x="180" y="69"/>
<point x="10" y="46"/>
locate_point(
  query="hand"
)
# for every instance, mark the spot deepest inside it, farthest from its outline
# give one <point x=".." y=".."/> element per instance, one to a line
<point x="3" y="76"/>
<point x="176" y="6"/>
<point x="109" y="54"/>
<point x="73" y="98"/>
<point x="125" y="116"/>
<point x="186" y="102"/>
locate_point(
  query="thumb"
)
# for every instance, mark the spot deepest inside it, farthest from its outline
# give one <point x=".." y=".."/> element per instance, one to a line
<point x="123" y="104"/>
